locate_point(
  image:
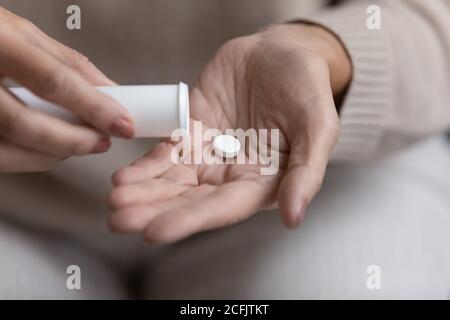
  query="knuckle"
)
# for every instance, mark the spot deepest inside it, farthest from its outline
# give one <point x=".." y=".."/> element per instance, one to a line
<point x="124" y="221"/>
<point x="76" y="58"/>
<point x="22" y="26"/>
<point x="119" y="177"/>
<point x="76" y="147"/>
<point x="4" y="22"/>
<point x="96" y="112"/>
<point x="162" y="234"/>
<point x="10" y="19"/>
<point x="240" y="41"/>
<point x="117" y="198"/>
<point x="50" y="83"/>
<point x="236" y="44"/>
<point x="10" y="123"/>
<point x="230" y="44"/>
<point x="26" y="26"/>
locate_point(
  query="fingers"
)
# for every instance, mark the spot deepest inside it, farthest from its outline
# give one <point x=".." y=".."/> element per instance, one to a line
<point x="221" y="206"/>
<point x="311" y="145"/>
<point x="43" y="133"/>
<point x="52" y="80"/>
<point x="151" y="165"/>
<point x="146" y="192"/>
<point x="76" y="61"/>
<point x="168" y="211"/>
<point x="17" y="159"/>
<point x="131" y="174"/>
<point x="297" y="189"/>
<point x="136" y="204"/>
<point x="136" y="219"/>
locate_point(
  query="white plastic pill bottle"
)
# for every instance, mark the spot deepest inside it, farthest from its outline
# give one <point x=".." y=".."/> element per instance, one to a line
<point x="157" y="110"/>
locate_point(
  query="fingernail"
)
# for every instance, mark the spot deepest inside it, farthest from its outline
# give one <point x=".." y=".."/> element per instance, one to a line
<point x="102" y="145"/>
<point x="122" y="128"/>
<point x="299" y="214"/>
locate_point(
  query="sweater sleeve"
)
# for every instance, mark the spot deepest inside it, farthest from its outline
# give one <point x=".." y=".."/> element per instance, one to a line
<point x="400" y="91"/>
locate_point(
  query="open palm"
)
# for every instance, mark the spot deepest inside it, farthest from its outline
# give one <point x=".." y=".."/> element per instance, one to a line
<point x="264" y="81"/>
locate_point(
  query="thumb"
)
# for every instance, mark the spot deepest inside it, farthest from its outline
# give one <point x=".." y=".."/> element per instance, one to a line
<point x="311" y="145"/>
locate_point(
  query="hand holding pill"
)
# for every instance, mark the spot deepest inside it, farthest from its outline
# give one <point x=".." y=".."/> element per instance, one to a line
<point x="283" y="78"/>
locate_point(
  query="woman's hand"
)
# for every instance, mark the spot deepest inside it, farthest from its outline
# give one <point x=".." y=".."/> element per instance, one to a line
<point x="283" y="78"/>
<point x="34" y="141"/>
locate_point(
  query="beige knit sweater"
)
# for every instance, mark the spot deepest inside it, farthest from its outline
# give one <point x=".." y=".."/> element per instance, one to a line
<point x="400" y="90"/>
<point x="401" y="84"/>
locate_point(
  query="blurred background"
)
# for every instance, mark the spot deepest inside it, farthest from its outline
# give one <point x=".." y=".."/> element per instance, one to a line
<point x="157" y="41"/>
<point x="133" y="42"/>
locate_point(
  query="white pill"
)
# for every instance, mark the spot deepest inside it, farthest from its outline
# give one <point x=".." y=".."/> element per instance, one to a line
<point x="226" y="146"/>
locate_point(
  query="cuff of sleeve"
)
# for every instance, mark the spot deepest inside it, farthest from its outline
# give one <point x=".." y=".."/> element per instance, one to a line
<point x="367" y="105"/>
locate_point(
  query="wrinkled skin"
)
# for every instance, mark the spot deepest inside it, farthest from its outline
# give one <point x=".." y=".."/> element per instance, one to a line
<point x="35" y="141"/>
<point x="277" y="79"/>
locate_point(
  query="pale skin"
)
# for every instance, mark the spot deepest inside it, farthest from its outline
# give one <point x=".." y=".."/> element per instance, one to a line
<point x="282" y="78"/>
<point x="285" y="77"/>
<point x="34" y="141"/>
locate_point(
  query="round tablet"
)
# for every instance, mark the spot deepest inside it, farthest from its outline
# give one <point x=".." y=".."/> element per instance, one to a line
<point x="226" y="146"/>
